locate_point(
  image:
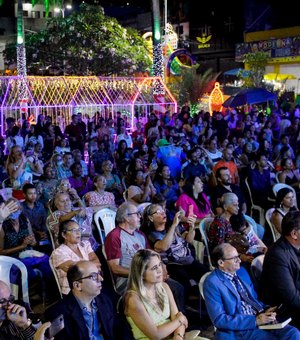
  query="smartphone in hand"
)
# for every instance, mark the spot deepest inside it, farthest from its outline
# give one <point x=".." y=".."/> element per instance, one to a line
<point x="56" y="326"/>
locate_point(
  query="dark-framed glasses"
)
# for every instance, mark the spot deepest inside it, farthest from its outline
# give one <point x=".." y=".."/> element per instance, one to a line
<point x="234" y="258"/>
<point x="92" y="276"/>
<point x="134" y="213"/>
<point x="10" y="299"/>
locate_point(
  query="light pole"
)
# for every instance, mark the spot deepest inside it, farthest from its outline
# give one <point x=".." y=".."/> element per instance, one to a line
<point x="62" y="9"/>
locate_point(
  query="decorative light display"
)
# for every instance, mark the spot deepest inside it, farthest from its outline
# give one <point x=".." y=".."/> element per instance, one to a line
<point x="158" y="64"/>
<point x="21" y="61"/>
<point x="61" y="96"/>
<point x="216" y="99"/>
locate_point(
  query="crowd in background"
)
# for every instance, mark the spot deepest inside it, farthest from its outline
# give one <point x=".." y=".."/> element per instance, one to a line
<point x="167" y="175"/>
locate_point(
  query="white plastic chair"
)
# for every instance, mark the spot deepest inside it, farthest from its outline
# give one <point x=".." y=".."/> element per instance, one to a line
<point x="277" y="176"/>
<point x="6" y="193"/>
<point x="55" y="276"/>
<point x="275" y="233"/>
<point x="203" y="227"/>
<point x="141" y="207"/>
<point x="201" y="284"/>
<point x="276" y="187"/>
<point x="6" y="263"/>
<point x="50" y="232"/>
<point x="256" y="269"/>
<point x="254" y="207"/>
<point x="107" y="217"/>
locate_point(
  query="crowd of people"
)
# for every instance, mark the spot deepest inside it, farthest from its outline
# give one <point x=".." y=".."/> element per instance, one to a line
<point x="162" y="178"/>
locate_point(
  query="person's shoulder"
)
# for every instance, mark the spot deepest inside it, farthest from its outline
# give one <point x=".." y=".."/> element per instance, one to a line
<point x="114" y="233"/>
<point x="211" y="278"/>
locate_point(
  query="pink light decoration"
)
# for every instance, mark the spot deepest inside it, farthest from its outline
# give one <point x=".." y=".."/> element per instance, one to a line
<point x="62" y="96"/>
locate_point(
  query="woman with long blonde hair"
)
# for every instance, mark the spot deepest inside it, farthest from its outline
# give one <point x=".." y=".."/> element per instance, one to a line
<point x="149" y="304"/>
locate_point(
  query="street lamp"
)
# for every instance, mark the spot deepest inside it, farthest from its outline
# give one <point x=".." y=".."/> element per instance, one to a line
<point x="62" y="9"/>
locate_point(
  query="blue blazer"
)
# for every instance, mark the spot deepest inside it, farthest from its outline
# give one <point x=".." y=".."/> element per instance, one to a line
<point x="224" y="304"/>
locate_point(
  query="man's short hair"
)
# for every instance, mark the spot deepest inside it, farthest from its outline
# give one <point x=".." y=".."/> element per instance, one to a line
<point x="218" y="254"/>
<point x="74" y="274"/>
<point x="26" y="187"/>
<point x="122" y="212"/>
<point x="218" y="172"/>
<point x="290" y="222"/>
<point x="67" y="154"/>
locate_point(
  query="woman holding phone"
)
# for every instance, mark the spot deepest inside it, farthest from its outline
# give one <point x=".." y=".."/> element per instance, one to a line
<point x="174" y="244"/>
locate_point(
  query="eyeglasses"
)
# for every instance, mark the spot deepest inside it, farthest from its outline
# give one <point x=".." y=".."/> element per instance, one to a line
<point x="234" y="258"/>
<point x="159" y="212"/>
<point x="92" y="276"/>
<point x="73" y="231"/>
<point x="10" y="299"/>
<point x="134" y="213"/>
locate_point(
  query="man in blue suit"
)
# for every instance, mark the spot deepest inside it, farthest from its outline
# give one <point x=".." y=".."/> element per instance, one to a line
<point x="232" y="315"/>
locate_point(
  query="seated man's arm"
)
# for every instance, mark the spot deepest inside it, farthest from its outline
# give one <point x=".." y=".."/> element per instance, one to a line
<point x="117" y="269"/>
<point x="113" y="253"/>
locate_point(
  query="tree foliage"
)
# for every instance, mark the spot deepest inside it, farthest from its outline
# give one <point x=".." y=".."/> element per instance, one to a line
<point x="85" y="43"/>
<point x="256" y="65"/>
<point x="191" y="85"/>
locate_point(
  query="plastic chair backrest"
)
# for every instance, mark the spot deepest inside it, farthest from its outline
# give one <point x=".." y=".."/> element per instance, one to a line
<point x="6" y="263"/>
<point x="203" y="227"/>
<point x="6" y="193"/>
<point x="108" y="217"/>
<point x="6" y="183"/>
<point x="256" y="269"/>
<point x="112" y="277"/>
<point x="274" y="232"/>
<point x="141" y="207"/>
<point x="50" y="232"/>
<point x="201" y="283"/>
<point x="276" y="187"/>
<point x="277" y="176"/>
<point x="55" y="276"/>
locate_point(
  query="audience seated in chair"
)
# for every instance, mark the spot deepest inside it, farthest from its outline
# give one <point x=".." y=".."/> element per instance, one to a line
<point x="71" y="250"/>
<point x="259" y="180"/>
<point x="284" y="203"/>
<point x="123" y="242"/>
<point x="14" y="322"/>
<point x="230" y="313"/>
<point x="65" y="211"/>
<point x="150" y="307"/>
<point x="280" y="275"/>
<point x="174" y="243"/>
<point x="17" y="240"/>
<point x="225" y="185"/>
<point x="85" y="298"/>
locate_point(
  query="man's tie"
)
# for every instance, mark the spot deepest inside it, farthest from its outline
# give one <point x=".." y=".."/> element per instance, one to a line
<point x="244" y="296"/>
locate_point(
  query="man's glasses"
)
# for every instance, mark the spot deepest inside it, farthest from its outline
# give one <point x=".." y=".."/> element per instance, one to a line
<point x="92" y="276"/>
<point x="134" y="213"/>
<point x="159" y="212"/>
<point x="10" y="299"/>
<point x="73" y="231"/>
<point x="234" y="258"/>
